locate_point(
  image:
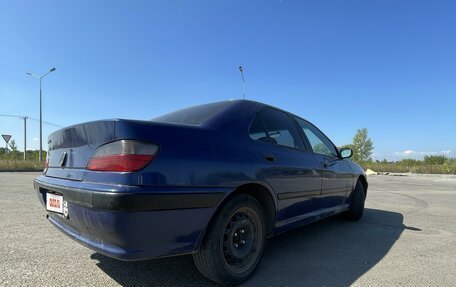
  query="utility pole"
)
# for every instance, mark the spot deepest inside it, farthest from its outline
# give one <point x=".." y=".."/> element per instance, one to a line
<point x="25" y="118"/>
<point x="25" y="137"/>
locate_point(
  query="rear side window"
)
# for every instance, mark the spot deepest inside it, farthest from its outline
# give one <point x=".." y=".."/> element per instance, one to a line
<point x="278" y="128"/>
<point x="257" y="131"/>
<point x="194" y="115"/>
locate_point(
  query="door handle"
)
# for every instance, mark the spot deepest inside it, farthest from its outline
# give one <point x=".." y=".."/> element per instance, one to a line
<point x="327" y="163"/>
<point x="269" y="157"/>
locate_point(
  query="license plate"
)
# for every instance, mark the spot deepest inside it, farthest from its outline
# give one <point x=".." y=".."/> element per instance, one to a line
<point x="54" y="202"/>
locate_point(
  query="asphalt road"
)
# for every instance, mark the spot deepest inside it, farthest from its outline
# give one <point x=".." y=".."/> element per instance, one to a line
<point x="407" y="237"/>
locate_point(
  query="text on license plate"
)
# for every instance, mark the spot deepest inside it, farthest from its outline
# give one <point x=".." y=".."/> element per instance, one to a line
<point x="54" y="202"/>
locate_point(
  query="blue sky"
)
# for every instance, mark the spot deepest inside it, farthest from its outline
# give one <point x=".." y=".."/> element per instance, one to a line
<point x="388" y="66"/>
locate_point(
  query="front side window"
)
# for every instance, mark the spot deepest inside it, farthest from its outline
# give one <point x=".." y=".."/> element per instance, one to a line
<point x="277" y="127"/>
<point x="319" y="142"/>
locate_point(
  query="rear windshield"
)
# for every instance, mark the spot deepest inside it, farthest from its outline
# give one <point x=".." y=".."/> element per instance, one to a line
<point x="194" y="115"/>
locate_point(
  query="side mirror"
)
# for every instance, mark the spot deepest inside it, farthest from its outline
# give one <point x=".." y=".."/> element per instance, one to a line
<point x="346" y="152"/>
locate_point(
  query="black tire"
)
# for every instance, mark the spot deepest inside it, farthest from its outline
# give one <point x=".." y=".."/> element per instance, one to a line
<point x="234" y="243"/>
<point x="357" y="205"/>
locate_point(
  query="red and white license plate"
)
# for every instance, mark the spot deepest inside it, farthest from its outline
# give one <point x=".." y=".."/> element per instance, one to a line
<point x="54" y="202"/>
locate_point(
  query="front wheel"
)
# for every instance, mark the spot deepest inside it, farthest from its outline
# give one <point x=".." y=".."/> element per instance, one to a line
<point x="234" y="243"/>
<point x="357" y="205"/>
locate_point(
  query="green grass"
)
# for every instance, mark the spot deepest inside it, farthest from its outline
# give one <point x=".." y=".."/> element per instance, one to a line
<point x="15" y="164"/>
<point x="449" y="167"/>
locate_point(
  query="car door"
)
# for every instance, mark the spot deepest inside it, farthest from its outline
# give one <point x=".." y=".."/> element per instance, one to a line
<point x="336" y="173"/>
<point x="287" y="167"/>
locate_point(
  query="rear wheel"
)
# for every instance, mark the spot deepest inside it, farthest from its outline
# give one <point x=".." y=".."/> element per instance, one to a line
<point x="234" y="243"/>
<point x="357" y="205"/>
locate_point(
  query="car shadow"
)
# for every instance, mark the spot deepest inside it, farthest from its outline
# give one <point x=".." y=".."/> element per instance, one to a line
<point x="333" y="252"/>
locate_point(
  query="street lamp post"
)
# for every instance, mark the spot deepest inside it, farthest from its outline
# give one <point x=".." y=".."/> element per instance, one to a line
<point x="41" y="114"/>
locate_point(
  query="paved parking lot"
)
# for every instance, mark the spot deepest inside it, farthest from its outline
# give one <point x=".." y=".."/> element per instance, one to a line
<point x="407" y="237"/>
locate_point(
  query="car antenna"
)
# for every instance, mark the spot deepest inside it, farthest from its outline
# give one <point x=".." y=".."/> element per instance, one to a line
<point x="243" y="81"/>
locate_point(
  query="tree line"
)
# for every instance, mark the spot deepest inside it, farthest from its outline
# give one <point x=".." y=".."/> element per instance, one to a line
<point x="363" y="146"/>
<point x="19" y="155"/>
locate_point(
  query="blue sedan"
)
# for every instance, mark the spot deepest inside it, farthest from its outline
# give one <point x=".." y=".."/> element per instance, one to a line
<point x="213" y="180"/>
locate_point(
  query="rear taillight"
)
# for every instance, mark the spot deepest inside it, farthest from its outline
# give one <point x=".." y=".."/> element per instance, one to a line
<point x="123" y="156"/>
<point x="46" y="163"/>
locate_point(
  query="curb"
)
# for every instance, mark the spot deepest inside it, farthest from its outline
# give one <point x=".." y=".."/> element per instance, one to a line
<point x="21" y="170"/>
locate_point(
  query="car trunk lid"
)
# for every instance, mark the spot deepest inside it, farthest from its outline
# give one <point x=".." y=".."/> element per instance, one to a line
<point x="70" y="148"/>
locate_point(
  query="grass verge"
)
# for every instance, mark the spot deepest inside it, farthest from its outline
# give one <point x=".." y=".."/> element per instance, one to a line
<point x="14" y="164"/>
<point x="447" y="168"/>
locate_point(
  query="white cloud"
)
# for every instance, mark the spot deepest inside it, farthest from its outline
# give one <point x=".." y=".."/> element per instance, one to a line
<point x="405" y="153"/>
<point x="36" y="139"/>
<point x="446" y="151"/>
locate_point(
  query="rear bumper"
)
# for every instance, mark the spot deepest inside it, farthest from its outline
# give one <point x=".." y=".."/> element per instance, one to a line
<point x="132" y="223"/>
